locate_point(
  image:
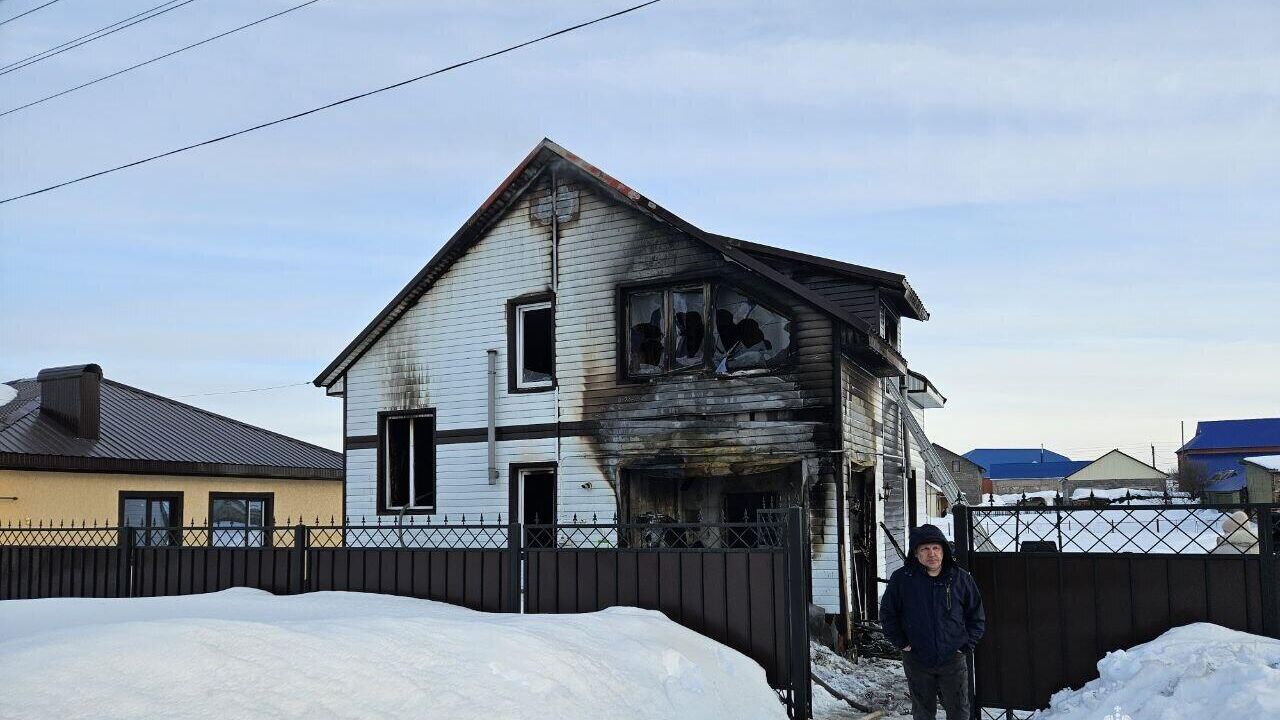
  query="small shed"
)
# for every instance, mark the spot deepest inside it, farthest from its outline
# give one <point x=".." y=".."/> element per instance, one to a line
<point x="1262" y="477"/>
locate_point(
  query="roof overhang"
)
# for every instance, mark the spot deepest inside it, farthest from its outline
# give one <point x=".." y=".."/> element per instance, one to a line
<point x="922" y="393"/>
<point x="863" y="342"/>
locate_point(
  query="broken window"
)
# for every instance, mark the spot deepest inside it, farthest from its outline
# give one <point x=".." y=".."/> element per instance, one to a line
<point x="408" y="465"/>
<point x="890" y="322"/>
<point x="688" y="324"/>
<point x="646" y="322"/>
<point x="747" y="334"/>
<point x="535" y="345"/>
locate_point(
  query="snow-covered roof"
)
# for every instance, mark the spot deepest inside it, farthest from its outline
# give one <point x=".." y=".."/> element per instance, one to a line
<point x="1270" y="462"/>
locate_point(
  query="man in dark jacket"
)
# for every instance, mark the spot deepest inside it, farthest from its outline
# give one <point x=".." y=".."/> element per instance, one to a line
<point x="932" y="612"/>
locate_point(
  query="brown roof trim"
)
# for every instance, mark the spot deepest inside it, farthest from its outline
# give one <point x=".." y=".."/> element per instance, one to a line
<point x="526" y="173"/>
<point x="71" y="463"/>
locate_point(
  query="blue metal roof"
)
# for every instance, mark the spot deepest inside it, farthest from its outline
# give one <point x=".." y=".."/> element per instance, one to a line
<point x="986" y="457"/>
<point x="1230" y="434"/>
<point x="1047" y="470"/>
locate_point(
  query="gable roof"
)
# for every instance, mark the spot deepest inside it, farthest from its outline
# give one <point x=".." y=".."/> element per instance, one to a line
<point x="952" y="453"/>
<point x="1266" y="462"/>
<point x="1036" y="470"/>
<point x="1235" y="434"/>
<point x="547" y="155"/>
<point x="1152" y="471"/>
<point x="148" y="434"/>
<point x="986" y="457"/>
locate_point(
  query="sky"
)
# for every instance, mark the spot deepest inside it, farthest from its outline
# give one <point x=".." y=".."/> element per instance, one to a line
<point x="1083" y="194"/>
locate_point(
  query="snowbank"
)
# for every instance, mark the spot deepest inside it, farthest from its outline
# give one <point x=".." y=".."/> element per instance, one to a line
<point x="248" y="654"/>
<point x="1198" y="671"/>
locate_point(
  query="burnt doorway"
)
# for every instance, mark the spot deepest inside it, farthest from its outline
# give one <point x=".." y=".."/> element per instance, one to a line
<point x="533" y="500"/>
<point x="862" y="536"/>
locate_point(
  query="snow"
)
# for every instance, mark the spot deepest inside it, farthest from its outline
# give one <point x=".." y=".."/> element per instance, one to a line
<point x="1119" y="493"/>
<point x="1270" y="462"/>
<point x="248" y="654"/>
<point x="1199" y="671"/>
<point x="7" y="394"/>
<point x="876" y="683"/>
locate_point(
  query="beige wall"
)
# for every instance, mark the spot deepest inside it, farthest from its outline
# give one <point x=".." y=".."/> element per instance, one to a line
<point x="66" y="496"/>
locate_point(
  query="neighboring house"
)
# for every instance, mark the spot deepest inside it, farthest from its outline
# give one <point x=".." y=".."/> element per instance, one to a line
<point x="75" y="446"/>
<point x="1115" y="470"/>
<point x="1029" y="477"/>
<point x="625" y="362"/>
<point x="1262" y="477"/>
<point x="986" y="457"/>
<point x="967" y="474"/>
<point x="1210" y="462"/>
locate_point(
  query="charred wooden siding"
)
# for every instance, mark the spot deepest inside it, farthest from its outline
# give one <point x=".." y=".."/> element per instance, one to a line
<point x="863" y="415"/>
<point x="860" y="299"/>
<point x="435" y="357"/>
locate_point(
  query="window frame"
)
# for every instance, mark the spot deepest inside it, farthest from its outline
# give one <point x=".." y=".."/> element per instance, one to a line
<point x="268" y="515"/>
<point x="667" y="286"/>
<point x="515" y="333"/>
<point x="175" y="511"/>
<point x="381" y="484"/>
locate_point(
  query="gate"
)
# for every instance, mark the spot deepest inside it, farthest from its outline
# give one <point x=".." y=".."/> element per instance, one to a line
<point x="1064" y="585"/>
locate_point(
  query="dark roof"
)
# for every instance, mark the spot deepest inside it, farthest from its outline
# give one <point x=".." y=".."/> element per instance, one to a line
<point x="896" y="284"/>
<point x="1025" y="470"/>
<point x="145" y="433"/>
<point x="548" y="154"/>
<point x="957" y="455"/>
<point x="986" y="457"/>
<point x="1235" y="434"/>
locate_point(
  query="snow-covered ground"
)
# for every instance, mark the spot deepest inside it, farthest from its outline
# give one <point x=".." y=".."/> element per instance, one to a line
<point x="875" y="683"/>
<point x="245" y="653"/>
<point x="1196" y="672"/>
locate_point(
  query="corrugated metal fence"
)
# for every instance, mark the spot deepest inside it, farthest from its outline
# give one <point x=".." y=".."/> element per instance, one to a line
<point x="1063" y="586"/>
<point x="742" y="584"/>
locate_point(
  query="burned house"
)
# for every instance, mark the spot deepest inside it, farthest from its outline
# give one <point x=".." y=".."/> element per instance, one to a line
<point x="577" y="350"/>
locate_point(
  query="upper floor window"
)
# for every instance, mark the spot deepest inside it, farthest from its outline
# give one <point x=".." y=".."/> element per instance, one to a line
<point x="406" y="461"/>
<point x="531" y="357"/>
<point x="890" y="322"/>
<point x="701" y="326"/>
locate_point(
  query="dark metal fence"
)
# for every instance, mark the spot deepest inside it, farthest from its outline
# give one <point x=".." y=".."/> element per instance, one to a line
<point x="1063" y="586"/>
<point x="742" y="584"/>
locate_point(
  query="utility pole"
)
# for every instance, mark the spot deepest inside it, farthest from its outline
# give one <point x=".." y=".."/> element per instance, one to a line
<point x="1183" y="425"/>
<point x="1153" y="455"/>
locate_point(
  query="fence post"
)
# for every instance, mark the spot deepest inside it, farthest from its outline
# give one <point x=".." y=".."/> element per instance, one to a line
<point x="962" y="521"/>
<point x="514" y="560"/>
<point x="1268" y="572"/>
<point x="301" y="538"/>
<point x="798" y="613"/>
<point x="960" y="527"/>
<point x="127" y="542"/>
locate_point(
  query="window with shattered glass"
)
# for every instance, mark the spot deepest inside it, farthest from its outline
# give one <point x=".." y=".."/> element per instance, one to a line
<point x="646" y="333"/>
<point x="747" y="334"/>
<point x="706" y="326"/>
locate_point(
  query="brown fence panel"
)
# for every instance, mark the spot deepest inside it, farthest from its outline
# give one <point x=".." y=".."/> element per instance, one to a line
<point x="734" y="596"/>
<point x="161" y="571"/>
<point x="476" y="579"/>
<point x="28" y="572"/>
<point x="1051" y="616"/>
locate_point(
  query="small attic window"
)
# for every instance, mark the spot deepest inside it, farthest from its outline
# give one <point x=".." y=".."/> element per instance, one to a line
<point x="889" y="323"/>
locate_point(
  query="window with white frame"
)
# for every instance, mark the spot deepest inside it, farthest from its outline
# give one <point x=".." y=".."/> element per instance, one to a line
<point x="534" y="345"/>
<point x="406" y="462"/>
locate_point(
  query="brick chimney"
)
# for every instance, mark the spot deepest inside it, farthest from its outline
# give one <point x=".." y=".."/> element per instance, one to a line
<point x="70" y="397"/>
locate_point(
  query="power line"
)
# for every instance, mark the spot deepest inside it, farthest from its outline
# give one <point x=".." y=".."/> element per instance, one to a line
<point x="237" y="392"/>
<point x="336" y="103"/>
<point x="95" y="35"/>
<point x="159" y="57"/>
<point x="15" y="17"/>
